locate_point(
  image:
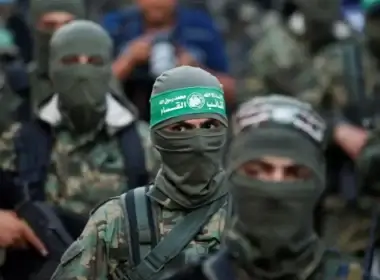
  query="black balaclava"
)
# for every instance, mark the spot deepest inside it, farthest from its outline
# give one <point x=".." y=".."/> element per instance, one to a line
<point x="191" y="160"/>
<point x="273" y="236"/>
<point x="38" y="8"/>
<point x="81" y="88"/>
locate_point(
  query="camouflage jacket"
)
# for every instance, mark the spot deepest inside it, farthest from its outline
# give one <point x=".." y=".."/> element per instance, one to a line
<point x="278" y="62"/>
<point x="222" y="267"/>
<point x="83" y="174"/>
<point x="104" y="244"/>
<point x="330" y="68"/>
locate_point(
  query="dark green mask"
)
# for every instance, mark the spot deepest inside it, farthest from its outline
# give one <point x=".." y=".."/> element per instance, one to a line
<point x="38" y="8"/>
<point x="190" y="161"/>
<point x="82" y="87"/>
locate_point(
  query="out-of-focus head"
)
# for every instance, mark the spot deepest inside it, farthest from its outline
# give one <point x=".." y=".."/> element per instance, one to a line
<point x="48" y="15"/>
<point x="275" y="173"/>
<point x="157" y="11"/>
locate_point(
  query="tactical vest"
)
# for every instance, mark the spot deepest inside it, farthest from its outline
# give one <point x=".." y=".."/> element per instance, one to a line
<point x="151" y="255"/>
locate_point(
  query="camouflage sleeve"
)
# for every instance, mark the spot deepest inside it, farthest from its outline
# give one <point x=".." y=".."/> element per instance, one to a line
<point x="152" y="156"/>
<point x="7" y="149"/>
<point x="96" y="254"/>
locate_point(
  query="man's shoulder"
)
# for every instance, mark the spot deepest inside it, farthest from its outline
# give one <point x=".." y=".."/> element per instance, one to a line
<point x="108" y="210"/>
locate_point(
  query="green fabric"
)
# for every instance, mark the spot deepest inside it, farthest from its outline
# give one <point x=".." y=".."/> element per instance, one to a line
<point x="368" y="4"/>
<point x="38" y="8"/>
<point x="191" y="159"/>
<point x="82" y="88"/>
<point x="186" y="101"/>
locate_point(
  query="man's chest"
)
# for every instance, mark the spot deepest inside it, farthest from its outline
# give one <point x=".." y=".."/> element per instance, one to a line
<point x="205" y="242"/>
<point x="89" y="172"/>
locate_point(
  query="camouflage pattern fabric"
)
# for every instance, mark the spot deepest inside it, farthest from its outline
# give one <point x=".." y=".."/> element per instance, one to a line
<point x="7" y="149"/>
<point x="344" y="228"/>
<point x="279" y="62"/>
<point x="328" y="65"/>
<point x="103" y="246"/>
<point x="82" y="175"/>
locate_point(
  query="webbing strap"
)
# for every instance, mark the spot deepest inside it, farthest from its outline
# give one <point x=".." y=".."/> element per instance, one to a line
<point x="145" y="226"/>
<point x="140" y="227"/>
<point x="175" y="241"/>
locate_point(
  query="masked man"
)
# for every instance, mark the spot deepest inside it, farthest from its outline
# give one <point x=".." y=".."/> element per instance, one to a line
<point x="181" y="216"/>
<point x="276" y="174"/>
<point x="47" y="16"/>
<point x="85" y="145"/>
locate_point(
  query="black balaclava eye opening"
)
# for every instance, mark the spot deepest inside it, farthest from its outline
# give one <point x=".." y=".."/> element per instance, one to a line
<point x="81" y="87"/>
<point x="38" y="8"/>
<point x="273" y="234"/>
<point x="191" y="160"/>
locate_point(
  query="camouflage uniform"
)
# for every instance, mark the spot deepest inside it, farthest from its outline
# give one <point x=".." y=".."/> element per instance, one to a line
<point x="85" y="152"/>
<point x="83" y="174"/>
<point x="346" y="227"/>
<point x="329" y="66"/>
<point x="104" y="238"/>
<point x="276" y="59"/>
<point x="181" y="217"/>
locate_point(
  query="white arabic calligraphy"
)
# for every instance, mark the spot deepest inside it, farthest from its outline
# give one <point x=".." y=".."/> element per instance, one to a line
<point x="213" y="95"/>
<point x="215" y="104"/>
<point x="178" y="106"/>
<point x="167" y="101"/>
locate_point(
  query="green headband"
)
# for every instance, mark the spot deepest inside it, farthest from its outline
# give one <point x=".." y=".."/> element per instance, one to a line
<point x="186" y="101"/>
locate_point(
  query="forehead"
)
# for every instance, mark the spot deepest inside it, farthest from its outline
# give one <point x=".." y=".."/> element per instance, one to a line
<point x="275" y="160"/>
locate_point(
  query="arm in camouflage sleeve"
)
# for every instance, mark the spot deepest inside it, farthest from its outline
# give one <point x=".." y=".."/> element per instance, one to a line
<point x="99" y="249"/>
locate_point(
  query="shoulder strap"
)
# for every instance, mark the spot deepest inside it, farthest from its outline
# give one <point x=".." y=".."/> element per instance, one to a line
<point x="33" y="148"/>
<point x="182" y="234"/>
<point x="134" y="157"/>
<point x="140" y="224"/>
